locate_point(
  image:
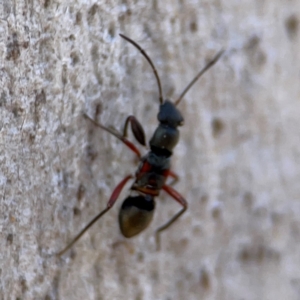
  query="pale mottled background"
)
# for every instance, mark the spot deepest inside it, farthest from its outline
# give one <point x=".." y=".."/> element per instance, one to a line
<point x="238" y="156"/>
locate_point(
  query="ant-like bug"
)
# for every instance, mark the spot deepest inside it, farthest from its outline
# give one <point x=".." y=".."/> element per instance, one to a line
<point x="150" y="178"/>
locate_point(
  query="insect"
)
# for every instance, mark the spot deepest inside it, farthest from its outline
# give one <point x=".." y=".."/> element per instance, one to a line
<point x="154" y="168"/>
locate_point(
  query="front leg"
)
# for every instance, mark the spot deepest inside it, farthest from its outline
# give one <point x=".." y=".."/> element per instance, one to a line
<point x="122" y="138"/>
<point x="175" y="178"/>
<point x="137" y="130"/>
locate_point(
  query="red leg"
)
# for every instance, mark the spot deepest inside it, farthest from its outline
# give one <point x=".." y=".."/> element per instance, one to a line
<point x="176" y="196"/>
<point x="136" y="128"/>
<point x="111" y="202"/>
<point x="174" y="176"/>
<point x="117" y="135"/>
<point x="114" y="196"/>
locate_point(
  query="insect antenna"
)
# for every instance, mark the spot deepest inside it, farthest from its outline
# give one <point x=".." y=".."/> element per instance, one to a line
<point x="150" y="62"/>
<point x="208" y="66"/>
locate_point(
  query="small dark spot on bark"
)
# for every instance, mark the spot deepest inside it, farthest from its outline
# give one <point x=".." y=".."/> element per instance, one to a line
<point x="253" y="42"/>
<point x="139" y="296"/>
<point x="204" y="199"/>
<point x="76" y="211"/>
<point x="80" y="192"/>
<point x="260" y="212"/>
<point x="260" y="58"/>
<point x="95" y="53"/>
<point x="244" y="255"/>
<point x="91" y="153"/>
<point x="257" y="55"/>
<point x="193" y="26"/>
<point x="91" y="13"/>
<point x="140" y="257"/>
<point x="17" y="111"/>
<point x="292" y="26"/>
<point x="66" y="178"/>
<point x="24" y="286"/>
<point x="98" y="110"/>
<point x="205" y="280"/>
<point x="104" y="56"/>
<point x="72" y="37"/>
<point x="3" y="98"/>
<point x="47" y="3"/>
<point x="61" y="129"/>
<point x="73" y="254"/>
<point x="154" y="275"/>
<point x="125" y="14"/>
<point x="25" y="45"/>
<point x="93" y="10"/>
<point x="78" y="18"/>
<point x="121" y="17"/>
<point x="10" y="238"/>
<point x="295" y="230"/>
<point x="111" y="30"/>
<point x="276" y="218"/>
<point x="217" y="127"/>
<point x="40" y="98"/>
<point x="74" y="58"/>
<point x="216" y="212"/>
<point x="248" y="200"/>
<point x="31" y="138"/>
<point x="13" y="48"/>
<point x="258" y="253"/>
<point x="41" y="277"/>
<point x="64" y="78"/>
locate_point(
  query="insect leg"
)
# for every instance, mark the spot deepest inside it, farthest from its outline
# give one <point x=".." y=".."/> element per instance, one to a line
<point x="174" y="176"/>
<point x="136" y="128"/>
<point x="111" y="202"/>
<point x="176" y="196"/>
<point x="129" y="144"/>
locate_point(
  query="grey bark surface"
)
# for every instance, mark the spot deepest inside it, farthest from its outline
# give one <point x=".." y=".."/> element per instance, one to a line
<point x="238" y="156"/>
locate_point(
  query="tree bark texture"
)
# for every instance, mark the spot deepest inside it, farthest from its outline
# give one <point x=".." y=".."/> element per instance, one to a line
<point x="238" y="157"/>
